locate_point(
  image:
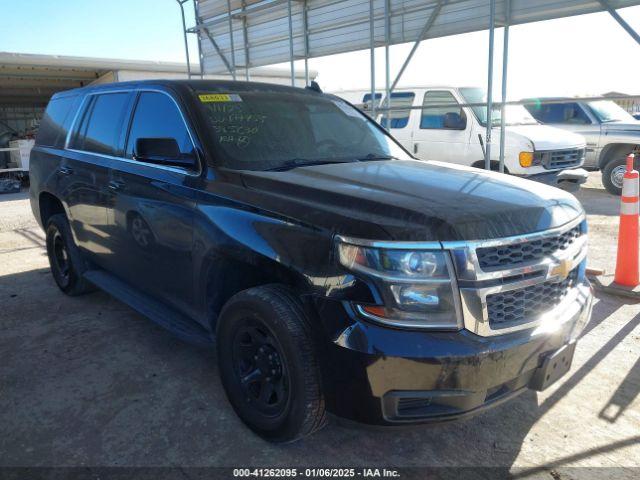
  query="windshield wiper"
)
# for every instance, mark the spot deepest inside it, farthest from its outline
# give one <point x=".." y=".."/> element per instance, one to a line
<point x="375" y="156"/>
<point x="302" y="162"/>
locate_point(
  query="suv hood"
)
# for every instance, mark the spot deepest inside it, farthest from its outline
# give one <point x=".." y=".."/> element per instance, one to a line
<point x="410" y="200"/>
<point x="545" y="137"/>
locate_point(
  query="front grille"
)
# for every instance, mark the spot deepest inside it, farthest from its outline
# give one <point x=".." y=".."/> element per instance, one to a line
<point x="506" y="309"/>
<point x="558" y="159"/>
<point x="509" y="256"/>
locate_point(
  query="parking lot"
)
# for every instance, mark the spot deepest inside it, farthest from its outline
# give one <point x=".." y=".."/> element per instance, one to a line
<point x="86" y="381"/>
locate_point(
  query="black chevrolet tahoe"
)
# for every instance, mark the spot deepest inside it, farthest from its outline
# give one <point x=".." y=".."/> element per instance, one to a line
<point x="331" y="270"/>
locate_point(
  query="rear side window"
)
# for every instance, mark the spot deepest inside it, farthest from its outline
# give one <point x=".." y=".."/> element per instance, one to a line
<point x="567" y="113"/>
<point x="398" y="118"/>
<point x="55" y="122"/>
<point x="101" y="125"/>
<point x="435" y="106"/>
<point x="366" y="100"/>
<point x="157" y="116"/>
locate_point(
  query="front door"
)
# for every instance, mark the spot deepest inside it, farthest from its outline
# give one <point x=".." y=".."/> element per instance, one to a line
<point x="153" y="205"/>
<point x="442" y="130"/>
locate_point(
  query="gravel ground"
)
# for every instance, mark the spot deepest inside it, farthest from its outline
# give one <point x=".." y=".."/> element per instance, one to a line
<point x="86" y="381"/>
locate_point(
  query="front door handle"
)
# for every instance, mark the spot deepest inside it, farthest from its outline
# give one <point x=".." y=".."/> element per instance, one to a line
<point x="116" y="184"/>
<point x="415" y="147"/>
<point x="65" y="171"/>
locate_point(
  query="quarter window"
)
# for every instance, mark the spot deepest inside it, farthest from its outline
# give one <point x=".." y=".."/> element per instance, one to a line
<point x="157" y="116"/>
<point x="435" y="106"/>
<point x="55" y="123"/>
<point x="101" y="125"/>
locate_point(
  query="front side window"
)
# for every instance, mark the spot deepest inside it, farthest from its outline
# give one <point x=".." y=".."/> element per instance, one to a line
<point x="398" y="118"/>
<point x="157" y="116"/>
<point x="261" y="130"/>
<point x="101" y="125"/>
<point x="435" y="107"/>
<point x="569" y="113"/>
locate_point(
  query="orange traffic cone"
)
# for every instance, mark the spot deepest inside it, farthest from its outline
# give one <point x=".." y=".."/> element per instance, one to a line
<point x="627" y="261"/>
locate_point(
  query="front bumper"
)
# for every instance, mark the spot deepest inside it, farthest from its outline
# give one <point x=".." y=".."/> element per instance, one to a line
<point x="384" y="376"/>
<point x="569" y="180"/>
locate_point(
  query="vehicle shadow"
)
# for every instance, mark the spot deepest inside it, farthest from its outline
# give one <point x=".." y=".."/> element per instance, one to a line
<point x="9" y="197"/>
<point x="597" y="201"/>
<point x="87" y="381"/>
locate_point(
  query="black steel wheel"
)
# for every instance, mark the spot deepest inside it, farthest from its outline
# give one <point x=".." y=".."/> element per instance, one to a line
<point x="268" y="363"/>
<point x="65" y="260"/>
<point x="61" y="264"/>
<point x="260" y="368"/>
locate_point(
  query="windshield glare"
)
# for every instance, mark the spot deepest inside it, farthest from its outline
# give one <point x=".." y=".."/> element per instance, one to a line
<point x="609" y="111"/>
<point x="514" y="114"/>
<point x="268" y="131"/>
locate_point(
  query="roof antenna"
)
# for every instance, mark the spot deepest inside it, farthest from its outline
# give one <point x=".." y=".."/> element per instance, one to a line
<point x="314" y="86"/>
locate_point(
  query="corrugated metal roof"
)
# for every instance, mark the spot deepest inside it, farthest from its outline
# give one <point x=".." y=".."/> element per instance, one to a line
<point x="338" y="26"/>
<point x="31" y="79"/>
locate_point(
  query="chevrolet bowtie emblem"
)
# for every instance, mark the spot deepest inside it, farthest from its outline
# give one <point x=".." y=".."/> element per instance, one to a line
<point x="562" y="269"/>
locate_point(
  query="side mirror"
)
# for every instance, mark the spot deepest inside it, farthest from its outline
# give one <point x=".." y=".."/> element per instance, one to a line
<point x="163" y="151"/>
<point x="454" y="121"/>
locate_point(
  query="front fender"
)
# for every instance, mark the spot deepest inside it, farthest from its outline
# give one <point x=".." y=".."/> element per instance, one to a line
<point x="237" y="248"/>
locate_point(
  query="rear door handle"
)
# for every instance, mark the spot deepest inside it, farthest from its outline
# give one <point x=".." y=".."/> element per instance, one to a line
<point x="116" y="184"/>
<point x="65" y="170"/>
<point x="415" y="147"/>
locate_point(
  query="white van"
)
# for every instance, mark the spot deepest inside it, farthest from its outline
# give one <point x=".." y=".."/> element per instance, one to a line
<point x="444" y="131"/>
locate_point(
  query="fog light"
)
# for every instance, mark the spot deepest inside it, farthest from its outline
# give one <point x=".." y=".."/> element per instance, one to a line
<point x="526" y="159"/>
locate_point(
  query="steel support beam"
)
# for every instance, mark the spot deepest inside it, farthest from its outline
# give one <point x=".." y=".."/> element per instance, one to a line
<point x="505" y="65"/>
<point x="245" y="36"/>
<point x="184" y="32"/>
<point x="616" y="16"/>
<point x="430" y="21"/>
<point x="387" y="41"/>
<point x="200" y="58"/>
<point x="372" y="49"/>
<point x="217" y="48"/>
<point x="487" y="147"/>
<point x="291" y="59"/>
<point x="305" y="26"/>
<point x="231" y="42"/>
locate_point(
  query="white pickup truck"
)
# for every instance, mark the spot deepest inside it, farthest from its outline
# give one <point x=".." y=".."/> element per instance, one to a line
<point x="445" y="131"/>
<point x="611" y="133"/>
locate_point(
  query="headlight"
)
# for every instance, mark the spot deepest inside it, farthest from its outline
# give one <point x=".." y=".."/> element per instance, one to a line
<point x="417" y="287"/>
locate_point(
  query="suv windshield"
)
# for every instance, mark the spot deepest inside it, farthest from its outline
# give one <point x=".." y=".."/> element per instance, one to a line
<point x="272" y="131"/>
<point x="514" y="114"/>
<point x="608" y="111"/>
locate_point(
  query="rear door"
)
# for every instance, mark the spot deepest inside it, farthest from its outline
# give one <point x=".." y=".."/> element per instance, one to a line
<point x="96" y="139"/>
<point x="433" y="140"/>
<point x="153" y="205"/>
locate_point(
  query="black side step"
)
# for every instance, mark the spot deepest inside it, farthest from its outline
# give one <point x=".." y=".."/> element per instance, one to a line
<point x="180" y="325"/>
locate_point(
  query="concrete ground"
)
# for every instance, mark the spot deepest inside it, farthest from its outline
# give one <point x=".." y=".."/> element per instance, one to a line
<point x="86" y="381"/>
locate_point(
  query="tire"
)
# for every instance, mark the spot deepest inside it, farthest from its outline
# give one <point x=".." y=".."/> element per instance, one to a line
<point x="65" y="260"/>
<point x="612" y="175"/>
<point x="268" y="364"/>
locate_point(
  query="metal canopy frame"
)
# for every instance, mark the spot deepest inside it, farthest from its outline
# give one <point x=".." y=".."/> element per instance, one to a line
<point x="279" y="31"/>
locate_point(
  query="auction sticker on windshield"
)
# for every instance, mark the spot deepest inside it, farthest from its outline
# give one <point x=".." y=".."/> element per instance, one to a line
<point x="219" y="97"/>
